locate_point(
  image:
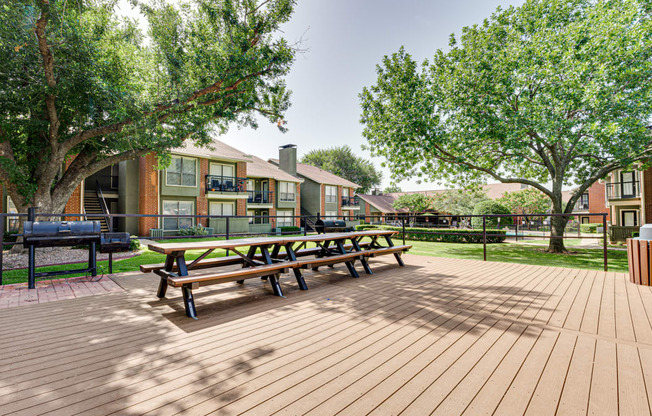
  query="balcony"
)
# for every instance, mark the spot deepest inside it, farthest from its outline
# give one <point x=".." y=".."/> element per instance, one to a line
<point x="581" y="206"/>
<point x="260" y="197"/>
<point x="623" y="190"/>
<point x="216" y="183"/>
<point x="350" y="202"/>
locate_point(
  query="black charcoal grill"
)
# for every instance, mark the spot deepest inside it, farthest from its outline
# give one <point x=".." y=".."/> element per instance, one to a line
<point x="331" y="226"/>
<point x="66" y="234"/>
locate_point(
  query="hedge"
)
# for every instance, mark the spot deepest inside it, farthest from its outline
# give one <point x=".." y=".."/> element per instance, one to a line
<point x="289" y="228"/>
<point x="451" y="235"/>
<point x="590" y="228"/>
<point x="363" y="227"/>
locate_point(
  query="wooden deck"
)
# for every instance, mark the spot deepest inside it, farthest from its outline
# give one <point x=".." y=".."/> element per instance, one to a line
<point x="439" y="336"/>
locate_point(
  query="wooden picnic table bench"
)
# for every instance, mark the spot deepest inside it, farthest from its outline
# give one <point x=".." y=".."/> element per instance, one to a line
<point x="270" y="263"/>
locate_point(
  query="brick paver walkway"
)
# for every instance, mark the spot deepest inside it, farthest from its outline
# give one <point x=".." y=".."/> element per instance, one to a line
<point x="56" y="289"/>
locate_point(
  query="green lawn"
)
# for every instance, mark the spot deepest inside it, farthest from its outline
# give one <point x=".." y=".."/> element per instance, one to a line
<point x="508" y="253"/>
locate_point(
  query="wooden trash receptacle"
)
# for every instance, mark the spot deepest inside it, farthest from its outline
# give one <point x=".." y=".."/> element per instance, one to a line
<point x="638" y="258"/>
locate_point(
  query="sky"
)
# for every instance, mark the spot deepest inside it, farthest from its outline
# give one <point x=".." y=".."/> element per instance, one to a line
<point x="343" y="42"/>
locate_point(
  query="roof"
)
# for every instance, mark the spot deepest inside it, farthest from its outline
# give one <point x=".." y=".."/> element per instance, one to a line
<point x="216" y="150"/>
<point x="258" y="168"/>
<point x="319" y="175"/>
<point x="497" y="190"/>
<point x="382" y="203"/>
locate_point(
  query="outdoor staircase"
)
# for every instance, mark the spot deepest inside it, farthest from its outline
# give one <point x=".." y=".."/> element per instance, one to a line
<point x="93" y="207"/>
<point x="308" y="220"/>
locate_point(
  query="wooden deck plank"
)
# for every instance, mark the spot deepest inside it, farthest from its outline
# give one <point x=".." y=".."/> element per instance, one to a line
<point x="440" y="336"/>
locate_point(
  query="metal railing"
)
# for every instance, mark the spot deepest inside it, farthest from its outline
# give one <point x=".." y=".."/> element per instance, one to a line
<point x="350" y="201"/>
<point x="260" y="197"/>
<point x="483" y="229"/>
<point x="623" y="190"/>
<point x="215" y="183"/>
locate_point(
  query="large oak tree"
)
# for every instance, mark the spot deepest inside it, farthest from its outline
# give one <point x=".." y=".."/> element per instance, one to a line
<point x="550" y="94"/>
<point x="77" y="80"/>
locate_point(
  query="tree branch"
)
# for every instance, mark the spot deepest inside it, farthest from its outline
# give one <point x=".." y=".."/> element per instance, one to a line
<point x="48" y="68"/>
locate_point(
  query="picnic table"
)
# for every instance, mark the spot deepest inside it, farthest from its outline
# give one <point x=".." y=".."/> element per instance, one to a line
<point x="268" y="258"/>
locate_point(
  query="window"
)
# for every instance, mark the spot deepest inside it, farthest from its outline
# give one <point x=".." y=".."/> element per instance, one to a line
<point x="222" y="170"/>
<point x="331" y="215"/>
<point x="630" y="218"/>
<point x="331" y="193"/>
<point x="287" y="191"/>
<point x="178" y="208"/>
<point x="345" y="192"/>
<point x="583" y="203"/>
<point x="222" y="208"/>
<point x="182" y="172"/>
<point x="284" y="218"/>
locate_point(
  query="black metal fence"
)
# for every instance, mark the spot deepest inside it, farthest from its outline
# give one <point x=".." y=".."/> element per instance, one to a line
<point x="483" y="228"/>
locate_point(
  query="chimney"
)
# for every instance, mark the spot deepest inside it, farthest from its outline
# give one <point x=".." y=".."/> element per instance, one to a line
<point x="287" y="158"/>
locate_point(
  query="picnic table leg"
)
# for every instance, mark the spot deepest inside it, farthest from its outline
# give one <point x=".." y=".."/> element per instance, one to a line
<point x="397" y="256"/>
<point x="251" y="253"/>
<point x="273" y="280"/>
<point x="189" y="301"/>
<point x="297" y="273"/>
<point x="349" y="265"/>
<point x="365" y="264"/>
<point x="163" y="284"/>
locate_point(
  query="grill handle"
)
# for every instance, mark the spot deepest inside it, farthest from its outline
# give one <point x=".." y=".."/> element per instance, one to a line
<point x="64" y="227"/>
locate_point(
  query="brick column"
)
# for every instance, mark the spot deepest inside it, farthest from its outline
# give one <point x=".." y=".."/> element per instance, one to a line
<point x="322" y="191"/>
<point x="148" y="194"/>
<point x="339" y="200"/>
<point x="74" y="204"/>
<point x="272" y="189"/>
<point x="202" y="201"/>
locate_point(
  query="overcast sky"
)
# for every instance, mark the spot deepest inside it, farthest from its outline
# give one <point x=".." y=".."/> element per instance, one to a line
<point x="345" y="39"/>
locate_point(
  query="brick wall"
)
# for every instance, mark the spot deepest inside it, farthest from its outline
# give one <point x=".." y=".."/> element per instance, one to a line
<point x="597" y="202"/>
<point x="339" y="200"/>
<point x="297" y="208"/>
<point x="646" y="177"/>
<point x="241" y="204"/>
<point x="148" y="193"/>
<point x="202" y="201"/>
<point x="74" y="204"/>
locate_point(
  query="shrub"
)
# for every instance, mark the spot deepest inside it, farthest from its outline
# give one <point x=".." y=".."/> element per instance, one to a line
<point x="10" y="239"/>
<point x="194" y="230"/>
<point x="289" y="228"/>
<point x="448" y="235"/>
<point x="363" y="227"/>
<point x="488" y="208"/>
<point x="590" y="228"/>
<point x="134" y="244"/>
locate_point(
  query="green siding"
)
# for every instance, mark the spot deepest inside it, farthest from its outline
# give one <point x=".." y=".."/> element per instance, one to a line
<point x="310" y="196"/>
<point x="236" y="225"/>
<point x="180" y="191"/>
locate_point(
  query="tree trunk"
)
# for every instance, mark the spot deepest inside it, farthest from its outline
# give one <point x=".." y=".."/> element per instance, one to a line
<point x="558" y="225"/>
<point x="44" y="203"/>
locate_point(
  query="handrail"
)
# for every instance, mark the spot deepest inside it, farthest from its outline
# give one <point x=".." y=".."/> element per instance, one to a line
<point x="105" y="208"/>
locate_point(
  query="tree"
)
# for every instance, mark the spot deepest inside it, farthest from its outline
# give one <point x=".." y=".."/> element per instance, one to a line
<point x="80" y="85"/>
<point x="491" y="207"/>
<point x="392" y="188"/>
<point x="458" y="201"/>
<point x="413" y="203"/>
<point x="342" y="162"/>
<point x="526" y="201"/>
<point x="553" y="93"/>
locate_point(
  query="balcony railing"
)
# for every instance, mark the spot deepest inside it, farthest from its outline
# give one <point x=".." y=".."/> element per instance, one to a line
<point x="216" y="183"/>
<point x="287" y="196"/>
<point x="581" y="206"/>
<point x="623" y="190"/>
<point x="260" y="197"/>
<point x="350" y="201"/>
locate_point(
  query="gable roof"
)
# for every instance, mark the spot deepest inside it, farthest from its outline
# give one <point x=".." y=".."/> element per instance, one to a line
<point x="382" y="203"/>
<point x="319" y="175"/>
<point x="216" y="150"/>
<point x="258" y="168"/>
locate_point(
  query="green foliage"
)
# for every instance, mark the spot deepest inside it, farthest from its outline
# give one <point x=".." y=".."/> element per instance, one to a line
<point x="413" y="203"/>
<point x="78" y="79"/>
<point x="289" y="228"/>
<point x="526" y="201"/>
<point x="194" y="230"/>
<point x="341" y="161"/>
<point x="8" y="237"/>
<point x="590" y="228"/>
<point x="448" y="235"/>
<point x="458" y="201"/>
<point x="134" y="244"/>
<point x="363" y="227"/>
<point x="488" y="208"/>
<point x="554" y="91"/>
<point x="392" y="188"/>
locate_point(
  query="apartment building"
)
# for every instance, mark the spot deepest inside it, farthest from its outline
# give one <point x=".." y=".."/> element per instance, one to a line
<point x="220" y="180"/>
<point x="322" y="193"/>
